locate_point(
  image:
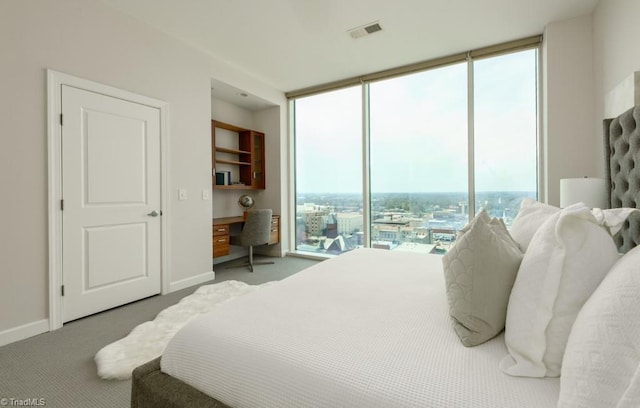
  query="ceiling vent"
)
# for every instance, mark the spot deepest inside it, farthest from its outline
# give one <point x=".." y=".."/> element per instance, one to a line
<point x="366" y="29"/>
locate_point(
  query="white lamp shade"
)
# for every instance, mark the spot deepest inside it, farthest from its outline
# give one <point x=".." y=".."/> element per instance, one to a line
<point x="588" y="190"/>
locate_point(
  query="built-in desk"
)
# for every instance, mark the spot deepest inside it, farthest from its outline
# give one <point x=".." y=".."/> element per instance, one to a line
<point x="224" y="227"/>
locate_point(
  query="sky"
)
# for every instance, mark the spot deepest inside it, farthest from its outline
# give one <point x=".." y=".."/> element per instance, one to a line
<point x="419" y="138"/>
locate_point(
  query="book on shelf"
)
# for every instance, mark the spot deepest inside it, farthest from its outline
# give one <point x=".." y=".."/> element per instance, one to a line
<point x="223" y="178"/>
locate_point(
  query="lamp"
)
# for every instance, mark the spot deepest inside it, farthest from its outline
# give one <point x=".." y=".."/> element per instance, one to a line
<point x="588" y="190"/>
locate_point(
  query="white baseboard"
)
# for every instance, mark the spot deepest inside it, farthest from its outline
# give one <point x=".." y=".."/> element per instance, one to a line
<point x="192" y="281"/>
<point x="24" y="332"/>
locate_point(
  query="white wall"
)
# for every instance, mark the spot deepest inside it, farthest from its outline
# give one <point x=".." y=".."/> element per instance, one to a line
<point x="585" y="60"/>
<point x="616" y="55"/>
<point x="568" y="101"/>
<point x="87" y="39"/>
<point x="274" y="123"/>
<point x="224" y="111"/>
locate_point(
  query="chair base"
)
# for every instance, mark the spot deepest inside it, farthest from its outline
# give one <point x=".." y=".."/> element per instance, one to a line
<point x="251" y="263"/>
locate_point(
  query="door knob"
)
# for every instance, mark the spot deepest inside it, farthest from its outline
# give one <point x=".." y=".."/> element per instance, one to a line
<point x="153" y="213"/>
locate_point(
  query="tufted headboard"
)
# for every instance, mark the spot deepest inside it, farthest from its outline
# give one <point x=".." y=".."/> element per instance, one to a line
<point x="622" y="167"/>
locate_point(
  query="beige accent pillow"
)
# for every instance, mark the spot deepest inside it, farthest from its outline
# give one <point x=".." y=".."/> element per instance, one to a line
<point x="479" y="273"/>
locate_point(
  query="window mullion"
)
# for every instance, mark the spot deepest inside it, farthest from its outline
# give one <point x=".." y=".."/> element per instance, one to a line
<point x="293" y="187"/>
<point x="366" y="167"/>
<point x="470" y="139"/>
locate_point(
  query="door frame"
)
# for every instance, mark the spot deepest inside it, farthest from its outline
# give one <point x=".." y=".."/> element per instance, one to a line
<point x="55" y="80"/>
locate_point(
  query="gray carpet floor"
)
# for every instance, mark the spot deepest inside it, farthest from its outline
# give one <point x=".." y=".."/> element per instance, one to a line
<point x="57" y="368"/>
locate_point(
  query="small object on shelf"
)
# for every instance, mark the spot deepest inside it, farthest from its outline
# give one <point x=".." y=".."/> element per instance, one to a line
<point x="223" y="178"/>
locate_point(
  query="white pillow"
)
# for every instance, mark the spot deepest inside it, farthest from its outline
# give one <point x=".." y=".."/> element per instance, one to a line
<point x="531" y="216"/>
<point x="613" y="219"/>
<point x="479" y="273"/>
<point x="601" y="367"/>
<point x="568" y="257"/>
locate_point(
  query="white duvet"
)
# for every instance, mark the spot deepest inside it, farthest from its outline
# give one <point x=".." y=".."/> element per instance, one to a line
<point x="367" y="329"/>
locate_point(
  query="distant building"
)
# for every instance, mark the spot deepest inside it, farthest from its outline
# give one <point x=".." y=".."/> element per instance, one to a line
<point x="331" y="226"/>
<point x="383" y="245"/>
<point x="315" y="223"/>
<point x="349" y="223"/>
<point x="388" y="228"/>
<point x="337" y="244"/>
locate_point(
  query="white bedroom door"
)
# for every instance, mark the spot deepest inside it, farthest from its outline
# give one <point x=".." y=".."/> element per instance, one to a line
<point x="111" y="229"/>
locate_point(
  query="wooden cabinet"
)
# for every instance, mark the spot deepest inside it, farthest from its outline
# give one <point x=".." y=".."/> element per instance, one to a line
<point x="222" y="228"/>
<point x="220" y="240"/>
<point x="242" y="157"/>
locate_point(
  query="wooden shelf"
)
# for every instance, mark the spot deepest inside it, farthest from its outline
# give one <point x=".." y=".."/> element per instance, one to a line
<point x="233" y="162"/>
<point x="232" y="151"/>
<point x="233" y="187"/>
<point x="245" y="163"/>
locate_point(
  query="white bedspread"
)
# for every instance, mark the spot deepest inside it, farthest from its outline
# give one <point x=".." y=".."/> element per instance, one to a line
<point x="367" y="329"/>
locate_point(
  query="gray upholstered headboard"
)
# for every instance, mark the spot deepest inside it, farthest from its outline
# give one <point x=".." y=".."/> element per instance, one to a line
<point x="622" y="167"/>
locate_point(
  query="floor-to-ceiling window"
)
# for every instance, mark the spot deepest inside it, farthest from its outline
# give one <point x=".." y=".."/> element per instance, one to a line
<point x="328" y="172"/>
<point x="437" y="146"/>
<point x="505" y="132"/>
<point x="418" y="166"/>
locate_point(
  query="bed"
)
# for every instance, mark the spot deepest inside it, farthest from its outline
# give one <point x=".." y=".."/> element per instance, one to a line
<point x="622" y="153"/>
<point x="374" y="328"/>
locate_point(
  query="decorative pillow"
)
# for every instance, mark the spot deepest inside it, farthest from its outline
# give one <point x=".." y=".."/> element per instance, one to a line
<point x="613" y="219"/>
<point x="480" y="216"/>
<point x="601" y="367"/>
<point x="531" y="216"/>
<point x="567" y="259"/>
<point x="479" y="273"/>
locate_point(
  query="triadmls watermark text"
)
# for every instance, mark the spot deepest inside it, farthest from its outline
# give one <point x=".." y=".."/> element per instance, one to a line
<point x="23" y="402"/>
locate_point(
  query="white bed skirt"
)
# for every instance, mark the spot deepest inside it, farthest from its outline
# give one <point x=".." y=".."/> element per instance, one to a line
<point x="367" y="329"/>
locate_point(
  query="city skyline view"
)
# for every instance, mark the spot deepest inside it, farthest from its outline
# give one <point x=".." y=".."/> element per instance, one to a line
<point x="424" y="149"/>
<point x="333" y="223"/>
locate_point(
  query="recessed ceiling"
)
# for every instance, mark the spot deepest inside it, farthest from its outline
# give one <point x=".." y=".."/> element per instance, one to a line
<point x="293" y="44"/>
<point x="239" y="97"/>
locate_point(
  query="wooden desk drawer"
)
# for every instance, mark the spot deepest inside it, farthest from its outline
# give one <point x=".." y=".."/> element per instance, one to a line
<point x="220" y="240"/>
<point x="220" y="245"/>
<point x="274" y="237"/>
<point x="221" y="229"/>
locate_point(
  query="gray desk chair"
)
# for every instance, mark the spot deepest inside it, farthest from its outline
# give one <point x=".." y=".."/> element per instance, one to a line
<point x="256" y="231"/>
